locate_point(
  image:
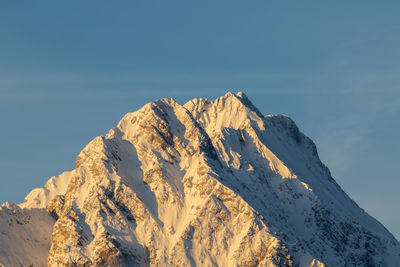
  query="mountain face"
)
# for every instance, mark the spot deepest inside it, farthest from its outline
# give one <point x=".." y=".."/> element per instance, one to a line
<point x="209" y="183"/>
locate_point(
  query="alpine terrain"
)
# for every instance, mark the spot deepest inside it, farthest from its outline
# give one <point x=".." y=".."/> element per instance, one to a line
<point x="208" y="183"/>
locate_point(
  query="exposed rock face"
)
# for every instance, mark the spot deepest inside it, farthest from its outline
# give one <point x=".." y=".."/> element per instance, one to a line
<point x="210" y="183"/>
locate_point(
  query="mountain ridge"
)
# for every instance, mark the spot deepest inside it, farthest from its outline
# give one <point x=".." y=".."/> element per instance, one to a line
<point x="207" y="183"/>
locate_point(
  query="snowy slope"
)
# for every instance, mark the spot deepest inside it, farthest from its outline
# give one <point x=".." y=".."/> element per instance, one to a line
<point x="25" y="230"/>
<point x="209" y="183"/>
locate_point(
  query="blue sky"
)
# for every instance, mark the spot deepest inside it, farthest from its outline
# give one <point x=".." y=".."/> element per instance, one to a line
<point x="70" y="70"/>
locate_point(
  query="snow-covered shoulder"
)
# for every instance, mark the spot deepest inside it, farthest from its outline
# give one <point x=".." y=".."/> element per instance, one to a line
<point x="39" y="198"/>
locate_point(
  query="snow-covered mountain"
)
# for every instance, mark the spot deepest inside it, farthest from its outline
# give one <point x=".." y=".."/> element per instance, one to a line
<point x="209" y="183"/>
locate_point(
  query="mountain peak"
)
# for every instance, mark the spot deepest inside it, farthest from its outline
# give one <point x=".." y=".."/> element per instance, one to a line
<point x="209" y="183"/>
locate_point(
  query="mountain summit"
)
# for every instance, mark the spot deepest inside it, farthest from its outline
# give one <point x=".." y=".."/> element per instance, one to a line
<point x="209" y="183"/>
